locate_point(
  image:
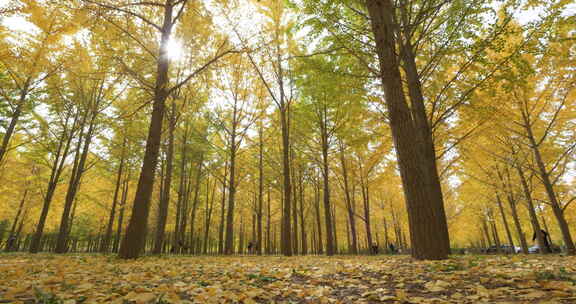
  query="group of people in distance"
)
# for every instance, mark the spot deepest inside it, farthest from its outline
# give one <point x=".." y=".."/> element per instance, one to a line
<point x="375" y="249"/>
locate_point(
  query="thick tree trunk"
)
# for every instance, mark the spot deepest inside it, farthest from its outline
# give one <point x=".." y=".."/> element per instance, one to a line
<point x="133" y="243"/>
<point x="426" y="216"/>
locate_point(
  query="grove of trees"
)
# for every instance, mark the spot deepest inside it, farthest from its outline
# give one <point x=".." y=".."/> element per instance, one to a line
<point x="286" y="126"/>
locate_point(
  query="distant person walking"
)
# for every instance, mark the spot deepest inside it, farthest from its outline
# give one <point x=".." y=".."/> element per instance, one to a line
<point x="546" y="238"/>
<point x="10" y="243"/>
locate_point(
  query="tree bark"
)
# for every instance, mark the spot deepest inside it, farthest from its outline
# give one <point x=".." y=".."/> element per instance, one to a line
<point x="426" y="216"/>
<point x="135" y="239"/>
<point x="326" y="190"/>
<point x="76" y="177"/>
<point x="57" y="168"/>
<point x="532" y="212"/>
<point x="106" y="242"/>
<point x="165" y="202"/>
<point x="505" y="222"/>
<point x="222" y="211"/>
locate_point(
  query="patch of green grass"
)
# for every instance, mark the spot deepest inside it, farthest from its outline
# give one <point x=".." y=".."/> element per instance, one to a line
<point x="46" y="298"/>
<point x="259" y="280"/>
<point x="561" y="275"/>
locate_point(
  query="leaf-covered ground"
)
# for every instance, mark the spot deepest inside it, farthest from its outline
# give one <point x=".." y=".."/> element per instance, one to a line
<point x="381" y="279"/>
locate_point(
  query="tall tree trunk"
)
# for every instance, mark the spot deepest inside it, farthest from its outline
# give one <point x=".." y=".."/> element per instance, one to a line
<point x="76" y="177"/>
<point x="286" y="239"/>
<point x="229" y="243"/>
<point x="303" y="236"/>
<point x="165" y="202"/>
<point x="549" y="187"/>
<point x="349" y="204"/>
<point x="222" y="211"/>
<point x="413" y="142"/>
<point x="505" y="222"/>
<point x="532" y="212"/>
<point x="121" y="215"/>
<point x="209" y="208"/>
<point x="135" y="239"/>
<point x="318" y="218"/>
<point x="195" y="202"/>
<point x="294" y="207"/>
<point x="517" y="224"/>
<point x="106" y="242"/>
<point x="268" y="224"/>
<point x="57" y="168"/>
<point x="18" y="213"/>
<point x="260" y="188"/>
<point x="366" y="201"/>
<point x="326" y="192"/>
<point x="14" y="120"/>
<point x="492" y="221"/>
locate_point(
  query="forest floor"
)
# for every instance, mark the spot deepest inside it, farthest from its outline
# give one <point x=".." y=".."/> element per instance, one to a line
<point x="83" y="278"/>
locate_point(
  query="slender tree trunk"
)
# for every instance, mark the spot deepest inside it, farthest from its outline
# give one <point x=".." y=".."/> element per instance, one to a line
<point x="294" y="207"/>
<point x="121" y="215"/>
<point x="135" y="240"/>
<point x="57" y="168"/>
<point x="517" y="224"/>
<point x="260" y="188"/>
<point x="18" y="213"/>
<point x="531" y="212"/>
<point x="318" y="218"/>
<point x="229" y="243"/>
<point x="286" y="240"/>
<point x="326" y="193"/>
<point x="413" y="142"/>
<point x="268" y="224"/>
<point x="303" y="237"/>
<point x="209" y="208"/>
<point x="14" y="120"/>
<point x="195" y="202"/>
<point x="492" y="221"/>
<point x="165" y="201"/>
<point x="353" y="249"/>
<point x="366" y="200"/>
<point x="548" y="185"/>
<point x="106" y="242"/>
<point x="505" y="222"/>
<point x="222" y="212"/>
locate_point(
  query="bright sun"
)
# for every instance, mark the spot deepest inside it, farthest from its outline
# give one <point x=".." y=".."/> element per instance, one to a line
<point x="175" y="49"/>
